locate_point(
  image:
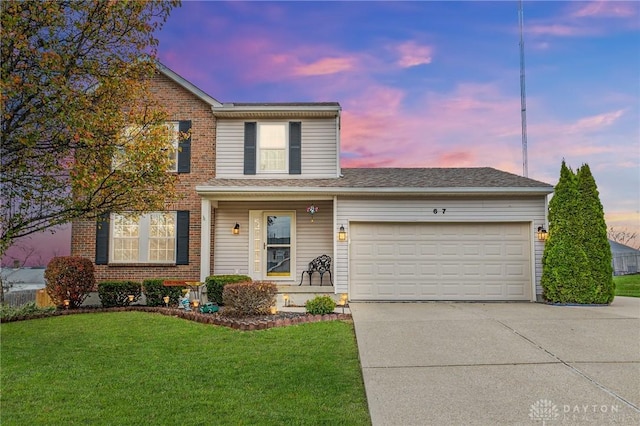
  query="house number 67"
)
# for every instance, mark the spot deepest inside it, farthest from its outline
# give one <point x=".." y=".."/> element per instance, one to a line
<point x="436" y="211"/>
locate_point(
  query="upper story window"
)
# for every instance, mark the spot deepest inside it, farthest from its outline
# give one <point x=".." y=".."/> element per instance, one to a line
<point x="174" y="129"/>
<point x="179" y="154"/>
<point x="272" y="147"/>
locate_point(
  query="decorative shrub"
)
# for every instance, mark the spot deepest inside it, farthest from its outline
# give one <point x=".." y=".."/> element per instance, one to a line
<point x="7" y="313"/>
<point x="155" y="292"/>
<point x="215" y="285"/>
<point x="69" y="278"/>
<point x="249" y="298"/>
<point x="320" y="305"/>
<point x="116" y="293"/>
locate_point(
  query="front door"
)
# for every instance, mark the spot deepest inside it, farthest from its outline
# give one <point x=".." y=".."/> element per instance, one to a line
<point x="272" y="245"/>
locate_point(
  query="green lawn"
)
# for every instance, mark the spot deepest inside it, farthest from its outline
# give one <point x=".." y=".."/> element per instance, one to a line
<point x="130" y="368"/>
<point x="627" y="285"/>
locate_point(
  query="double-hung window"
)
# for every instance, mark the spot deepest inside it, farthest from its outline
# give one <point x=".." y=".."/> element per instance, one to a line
<point x="174" y="129"/>
<point x="148" y="238"/>
<point x="272" y="147"/>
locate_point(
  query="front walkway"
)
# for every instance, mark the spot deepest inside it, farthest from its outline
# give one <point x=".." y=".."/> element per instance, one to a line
<point x="500" y="363"/>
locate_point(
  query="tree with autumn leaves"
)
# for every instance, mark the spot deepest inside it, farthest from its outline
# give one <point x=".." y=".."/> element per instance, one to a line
<point x="75" y="95"/>
<point x="576" y="264"/>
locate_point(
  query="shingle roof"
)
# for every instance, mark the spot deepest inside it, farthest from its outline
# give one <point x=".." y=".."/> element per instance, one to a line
<point x="417" y="180"/>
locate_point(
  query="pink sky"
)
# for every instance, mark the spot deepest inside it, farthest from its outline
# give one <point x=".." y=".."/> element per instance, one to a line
<point x="434" y="84"/>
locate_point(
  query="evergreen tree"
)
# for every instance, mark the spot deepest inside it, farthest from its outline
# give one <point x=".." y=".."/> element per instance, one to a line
<point x="594" y="238"/>
<point x="565" y="266"/>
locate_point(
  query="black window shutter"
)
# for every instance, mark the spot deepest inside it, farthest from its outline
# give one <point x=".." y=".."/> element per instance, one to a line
<point x="184" y="153"/>
<point x="250" y="136"/>
<point x="295" y="148"/>
<point x="182" y="238"/>
<point x="102" y="240"/>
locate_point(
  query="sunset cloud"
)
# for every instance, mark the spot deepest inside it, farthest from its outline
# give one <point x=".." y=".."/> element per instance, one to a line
<point x="412" y="54"/>
<point x="595" y="122"/>
<point x="325" y="66"/>
<point x="609" y="9"/>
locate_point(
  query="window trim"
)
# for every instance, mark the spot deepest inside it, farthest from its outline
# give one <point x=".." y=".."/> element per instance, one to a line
<point x="144" y="239"/>
<point x="176" y="144"/>
<point x="285" y="125"/>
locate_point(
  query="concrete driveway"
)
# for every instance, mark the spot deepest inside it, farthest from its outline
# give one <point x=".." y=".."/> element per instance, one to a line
<point x="500" y="363"/>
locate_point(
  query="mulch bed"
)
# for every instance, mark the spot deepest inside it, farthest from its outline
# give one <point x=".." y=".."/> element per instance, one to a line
<point x="280" y="319"/>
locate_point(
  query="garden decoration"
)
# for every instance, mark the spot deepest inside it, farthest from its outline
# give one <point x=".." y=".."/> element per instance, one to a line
<point x="184" y="302"/>
<point x="209" y="308"/>
<point x="312" y="209"/>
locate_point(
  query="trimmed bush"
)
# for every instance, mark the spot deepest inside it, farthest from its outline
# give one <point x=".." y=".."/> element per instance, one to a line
<point x="155" y="292"/>
<point x="116" y="293"/>
<point x="320" y="305"/>
<point x="69" y="278"/>
<point x="215" y="286"/>
<point x="249" y="298"/>
<point x="8" y="313"/>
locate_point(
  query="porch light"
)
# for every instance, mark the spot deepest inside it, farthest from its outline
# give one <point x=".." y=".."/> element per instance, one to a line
<point x="236" y="229"/>
<point x="342" y="234"/>
<point x="542" y="233"/>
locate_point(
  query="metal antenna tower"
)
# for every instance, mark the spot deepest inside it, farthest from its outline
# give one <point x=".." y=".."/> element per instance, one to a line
<point x="523" y="96"/>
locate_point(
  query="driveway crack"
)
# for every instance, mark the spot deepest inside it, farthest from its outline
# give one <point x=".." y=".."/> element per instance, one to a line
<point x="574" y="369"/>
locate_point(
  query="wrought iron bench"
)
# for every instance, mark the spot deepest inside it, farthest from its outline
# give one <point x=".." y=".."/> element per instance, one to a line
<point x="321" y="265"/>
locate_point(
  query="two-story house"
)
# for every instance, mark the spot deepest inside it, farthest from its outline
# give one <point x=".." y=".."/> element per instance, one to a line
<point x="265" y="194"/>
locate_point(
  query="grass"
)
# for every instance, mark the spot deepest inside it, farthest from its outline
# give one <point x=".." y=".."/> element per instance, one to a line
<point x="627" y="285"/>
<point x="130" y="368"/>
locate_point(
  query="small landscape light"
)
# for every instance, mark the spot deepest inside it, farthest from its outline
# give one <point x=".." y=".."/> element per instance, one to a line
<point x="66" y="303"/>
<point x="166" y="301"/>
<point x="131" y="297"/>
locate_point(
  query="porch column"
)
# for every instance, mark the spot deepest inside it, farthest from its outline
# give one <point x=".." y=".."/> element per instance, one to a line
<point x="205" y="239"/>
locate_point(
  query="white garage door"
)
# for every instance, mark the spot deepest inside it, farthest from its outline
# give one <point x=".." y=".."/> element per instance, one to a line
<point x="427" y="261"/>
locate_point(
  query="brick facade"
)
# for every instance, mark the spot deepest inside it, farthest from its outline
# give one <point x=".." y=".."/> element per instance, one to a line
<point x="180" y="105"/>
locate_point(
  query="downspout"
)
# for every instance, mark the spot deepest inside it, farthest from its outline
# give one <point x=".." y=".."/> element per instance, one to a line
<point x="338" y="124"/>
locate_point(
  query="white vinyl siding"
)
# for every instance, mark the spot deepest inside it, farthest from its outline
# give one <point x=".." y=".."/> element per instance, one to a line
<point x="313" y="239"/>
<point x="319" y="149"/>
<point x="530" y="210"/>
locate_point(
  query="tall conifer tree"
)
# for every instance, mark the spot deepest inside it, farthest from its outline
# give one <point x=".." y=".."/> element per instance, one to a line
<point x="565" y="267"/>
<point x="593" y="230"/>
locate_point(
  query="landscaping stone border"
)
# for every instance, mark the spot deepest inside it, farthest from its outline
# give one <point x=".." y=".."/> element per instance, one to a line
<point x="281" y="319"/>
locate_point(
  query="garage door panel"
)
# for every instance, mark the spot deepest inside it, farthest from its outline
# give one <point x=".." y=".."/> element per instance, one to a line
<point x="473" y="261"/>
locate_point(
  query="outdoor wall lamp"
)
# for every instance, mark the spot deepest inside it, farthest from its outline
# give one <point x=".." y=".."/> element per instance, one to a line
<point x="342" y="234"/>
<point x="236" y="229"/>
<point x="542" y="233"/>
